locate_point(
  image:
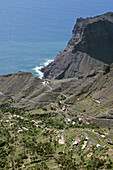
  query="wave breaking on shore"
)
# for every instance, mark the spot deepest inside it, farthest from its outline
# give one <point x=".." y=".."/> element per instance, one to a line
<point x="37" y="69"/>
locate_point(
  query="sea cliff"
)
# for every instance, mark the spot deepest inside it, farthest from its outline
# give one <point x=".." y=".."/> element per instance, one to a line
<point x="89" y="49"/>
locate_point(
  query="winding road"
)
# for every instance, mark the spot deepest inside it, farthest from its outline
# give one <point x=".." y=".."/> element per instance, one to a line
<point x="81" y="114"/>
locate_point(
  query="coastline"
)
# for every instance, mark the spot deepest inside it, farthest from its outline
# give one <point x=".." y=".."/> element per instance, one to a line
<point x="37" y="69"/>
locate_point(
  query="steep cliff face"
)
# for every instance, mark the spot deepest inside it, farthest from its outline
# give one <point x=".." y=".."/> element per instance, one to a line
<point x="89" y="49"/>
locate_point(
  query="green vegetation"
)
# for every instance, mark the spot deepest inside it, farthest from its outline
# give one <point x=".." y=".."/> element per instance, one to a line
<point x="30" y="139"/>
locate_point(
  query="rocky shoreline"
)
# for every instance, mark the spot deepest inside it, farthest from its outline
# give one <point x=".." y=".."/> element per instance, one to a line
<point x="89" y="49"/>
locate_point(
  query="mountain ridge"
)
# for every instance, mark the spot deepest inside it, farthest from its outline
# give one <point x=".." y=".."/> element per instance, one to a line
<point x="89" y="49"/>
<point x="24" y="90"/>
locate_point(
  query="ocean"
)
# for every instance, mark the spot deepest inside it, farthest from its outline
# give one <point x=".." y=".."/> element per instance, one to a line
<point x="33" y="32"/>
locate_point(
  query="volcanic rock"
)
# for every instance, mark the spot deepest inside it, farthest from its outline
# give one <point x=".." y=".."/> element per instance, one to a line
<point x="89" y="49"/>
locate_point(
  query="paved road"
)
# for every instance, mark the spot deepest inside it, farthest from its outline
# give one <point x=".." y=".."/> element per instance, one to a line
<point x="82" y="114"/>
<point x="87" y="135"/>
<point x="94" y="118"/>
<point x="66" y="116"/>
<point x="62" y="102"/>
<point x="99" y="137"/>
<point x="90" y="137"/>
<point x="49" y="87"/>
<point x="32" y="101"/>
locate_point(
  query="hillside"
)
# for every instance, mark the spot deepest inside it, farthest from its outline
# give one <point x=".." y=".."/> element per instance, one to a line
<point x="66" y="120"/>
<point x="23" y="90"/>
<point x="17" y="86"/>
<point x="89" y="49"/>
<point x="38" y="132"/>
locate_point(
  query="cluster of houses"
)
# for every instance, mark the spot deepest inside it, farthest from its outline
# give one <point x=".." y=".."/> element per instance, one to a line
<point x="21" y="130"/>
<point x="14" y="117"/>
<point x="76" y="141"/>
<point x="11" y="117"/>
<point x="84" y="145"/>
<point x="68" y="120"/>
<point x="38" y="123"/>
<point x="61" y="141"/>
<point x="59" y="137"/>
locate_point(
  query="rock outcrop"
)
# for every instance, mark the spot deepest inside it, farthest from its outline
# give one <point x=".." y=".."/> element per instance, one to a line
<point x="89" y="49"/>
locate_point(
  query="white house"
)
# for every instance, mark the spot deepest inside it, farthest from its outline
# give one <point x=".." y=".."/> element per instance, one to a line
<point x="73" y="123"/>
<point x="75" y="143"/>
<point x="98" y="145"/>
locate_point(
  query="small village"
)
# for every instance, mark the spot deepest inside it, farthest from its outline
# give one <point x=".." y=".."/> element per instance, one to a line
<point x="66" y="134"/>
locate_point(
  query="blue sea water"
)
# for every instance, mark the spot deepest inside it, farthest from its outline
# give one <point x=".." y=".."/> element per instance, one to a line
<point x="34" y="31"/>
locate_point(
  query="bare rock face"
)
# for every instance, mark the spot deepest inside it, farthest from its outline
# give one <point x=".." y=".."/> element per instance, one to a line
<point x="89" y="49"/>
